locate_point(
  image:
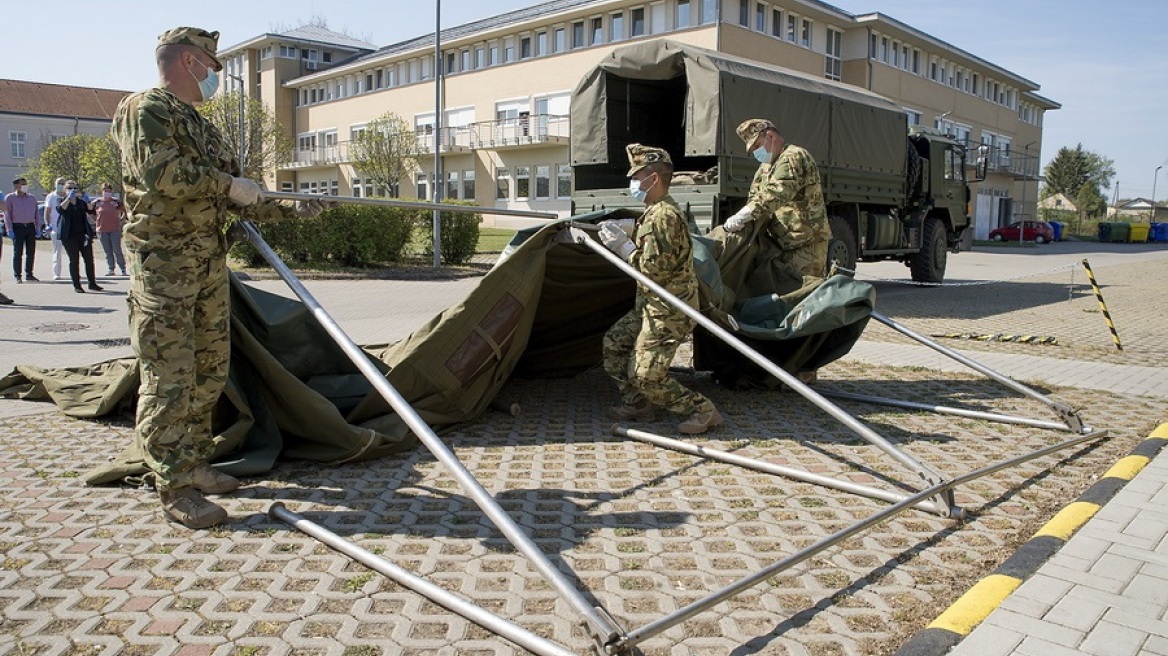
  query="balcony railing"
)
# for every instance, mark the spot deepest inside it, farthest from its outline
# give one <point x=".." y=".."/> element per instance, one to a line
<point x="1023" y="166"/>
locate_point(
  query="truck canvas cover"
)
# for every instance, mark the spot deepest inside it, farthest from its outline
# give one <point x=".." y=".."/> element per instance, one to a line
<point x="842" y="126"/>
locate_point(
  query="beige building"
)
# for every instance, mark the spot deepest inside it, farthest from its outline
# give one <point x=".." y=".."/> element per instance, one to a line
<point x="507" y="82"/>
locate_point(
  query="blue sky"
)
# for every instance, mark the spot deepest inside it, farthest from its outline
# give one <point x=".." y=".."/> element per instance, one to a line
<point x="1107" y="64"/>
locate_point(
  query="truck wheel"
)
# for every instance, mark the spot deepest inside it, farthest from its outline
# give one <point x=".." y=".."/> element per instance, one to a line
<point x="842" y="247"/>
<point x="928" y="264"/>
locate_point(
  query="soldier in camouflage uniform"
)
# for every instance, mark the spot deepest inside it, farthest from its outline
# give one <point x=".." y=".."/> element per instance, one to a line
<point x="180" y="181"/>
<point x="786" y="187"/>
<point x="640" y="345"/>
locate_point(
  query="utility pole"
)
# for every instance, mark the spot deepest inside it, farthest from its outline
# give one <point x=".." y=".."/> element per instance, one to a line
<point x="242" y="124"/>
<point x="436" y="192"/>
<point x="1155" y="176"/>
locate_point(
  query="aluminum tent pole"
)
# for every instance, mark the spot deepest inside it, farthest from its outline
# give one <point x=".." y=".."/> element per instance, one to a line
<point x="778" y="470"/>
<point x="603" y="628"/>
<point x="407" y="579"/>
<point x="1074" y="423"/>
<point x="409" y="204"/>
<point x="926" y="473"/>
<point x="653" y="628"/>
<point x="948" y="410"/>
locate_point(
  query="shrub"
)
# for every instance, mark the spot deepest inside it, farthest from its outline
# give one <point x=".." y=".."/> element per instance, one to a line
<point x="345" y="235"/>
<point x="460" y="234"/>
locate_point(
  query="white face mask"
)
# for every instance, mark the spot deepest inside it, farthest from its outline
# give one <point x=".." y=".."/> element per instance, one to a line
<point x="761" y="155"/>
<point x="635" y="189"/>
<point x="208" y="85"/>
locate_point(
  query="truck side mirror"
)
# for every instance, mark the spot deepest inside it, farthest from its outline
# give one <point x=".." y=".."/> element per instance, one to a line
<point x="982" y="164"/>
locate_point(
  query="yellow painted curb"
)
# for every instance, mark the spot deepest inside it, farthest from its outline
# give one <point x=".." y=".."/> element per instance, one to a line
<point x="1160" y="432"/>
<point x="1068" y="520"/>
<point x="1127" y="468"/>
<point x="976" y="604"/>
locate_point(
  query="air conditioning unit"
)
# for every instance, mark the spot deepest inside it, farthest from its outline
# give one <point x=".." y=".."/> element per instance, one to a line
<point x="310" y="64"/>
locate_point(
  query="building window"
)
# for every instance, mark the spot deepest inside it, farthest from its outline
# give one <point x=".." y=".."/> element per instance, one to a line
<point x="916" y="61"/>
<point x="709" y="11"/>
<point x="502" y="184"/>
<point x="356" y="187"/>
<point x="760" y="12"/>
<point x="560" y="39"/>
<point x="452" y="184"/>
<point x="914" y="117"/>
<point x="637" y="22"/>
<point x="543" y="182"/>
<point x="335" y="188"/>
<point x="616" y="25"/>
<point x="833" y="63"/>
<point x="525" y="47"/>
<point x="465" y="60"/>
<point x="480" y="57"/>
<point x="681" y="15"/>
<point x="597" y="30"/>
<point x="805" y="34"/>
<point x="541" y="44"/>
<point x="563" y="181"/>
<point x="522" y="182"/>
<point x="468" y="186"/>
<point x="777" y="23"/>
<point x="328" y="57"/>
<point x="657" y="18"/>
<point x="578" y="34"/>
<point x="792" y="27"/>
<point x="287" y="52"/>
<point x="744" y="13"/>
<point x="493" y="55"/>
<point x="18" y="141"/>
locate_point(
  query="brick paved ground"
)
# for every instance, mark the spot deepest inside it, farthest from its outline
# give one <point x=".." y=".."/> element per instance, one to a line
<point x="95" y="571"/>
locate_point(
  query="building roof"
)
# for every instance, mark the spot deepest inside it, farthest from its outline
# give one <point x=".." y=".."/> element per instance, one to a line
<point x="41" y="99"/>
<point x="306" y="34"/>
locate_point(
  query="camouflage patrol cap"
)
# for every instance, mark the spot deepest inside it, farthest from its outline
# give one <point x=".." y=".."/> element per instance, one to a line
<point x="206" y="41"/>
<point x="641" y="156"/>
<point x="749" y="129"/>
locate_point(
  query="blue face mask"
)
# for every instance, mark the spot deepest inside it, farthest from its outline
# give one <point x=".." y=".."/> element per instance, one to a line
<point x="209" y="85"/>
<point x="761" y="154"/>
<point x="635" y="190"/>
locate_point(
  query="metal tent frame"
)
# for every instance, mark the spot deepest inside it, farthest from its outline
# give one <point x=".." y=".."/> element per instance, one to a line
<point x="608" y="637"/>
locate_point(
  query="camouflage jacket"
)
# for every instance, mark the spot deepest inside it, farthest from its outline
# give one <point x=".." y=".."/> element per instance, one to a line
<point x="177" y="174"/>
<point x="789" y="189"/>
<point x="665" y="254"/>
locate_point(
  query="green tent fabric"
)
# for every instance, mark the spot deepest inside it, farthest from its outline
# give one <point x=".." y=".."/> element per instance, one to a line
<point x="541" y="311"/>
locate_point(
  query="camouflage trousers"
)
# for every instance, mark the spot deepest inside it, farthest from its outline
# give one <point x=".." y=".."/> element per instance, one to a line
<point x="179" y="318"/>
<point x="810" y="259"/>
<point x="638" y="350"/>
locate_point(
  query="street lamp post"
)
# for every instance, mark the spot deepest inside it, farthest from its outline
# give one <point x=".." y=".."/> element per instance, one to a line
<point x="1155" y="176"/>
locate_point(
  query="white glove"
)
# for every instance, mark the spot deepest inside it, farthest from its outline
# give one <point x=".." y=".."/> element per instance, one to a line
<point x="309" y="209"/>
<point x="628" y="225"/>
<point x="244" y="191"/>
<point x="616" y="239"/>
<point x="739" y="219"/>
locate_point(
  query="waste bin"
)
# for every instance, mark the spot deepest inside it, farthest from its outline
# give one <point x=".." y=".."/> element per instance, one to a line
<point x="1104" y="231"/>
<point x="1057" y="226"/>
<point x="1138" y="233"/>
<point x="1114" y="231"/>
<point x="1159" y="233"/>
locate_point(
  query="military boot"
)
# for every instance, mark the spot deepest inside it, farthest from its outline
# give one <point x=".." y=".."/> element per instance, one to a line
<point x="642" y="411"/>
<point x="190" y="508"/>
<point x="700" y="422"/>
<point x="209" y="480"/>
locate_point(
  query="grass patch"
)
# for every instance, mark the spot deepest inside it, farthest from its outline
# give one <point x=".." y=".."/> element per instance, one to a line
<point x="493" y="240"/>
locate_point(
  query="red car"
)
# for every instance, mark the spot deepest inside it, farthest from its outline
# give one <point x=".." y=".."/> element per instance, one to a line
<point x="1038" y="232"/>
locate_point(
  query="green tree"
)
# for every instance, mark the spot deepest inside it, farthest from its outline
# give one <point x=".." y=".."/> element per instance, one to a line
<point x="102" y="162"/>
<point x="386" y="150"/>
<point x="1090" y="203"/>
<point x="265" y="144"/>
<point x="64" y="158"/>
<point x="1072" y="168"/>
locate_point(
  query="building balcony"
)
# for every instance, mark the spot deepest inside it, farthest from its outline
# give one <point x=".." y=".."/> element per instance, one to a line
<point x="523" y="131"/>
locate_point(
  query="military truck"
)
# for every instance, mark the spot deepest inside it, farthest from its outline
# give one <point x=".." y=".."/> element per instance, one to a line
<point x="892" y="192"/>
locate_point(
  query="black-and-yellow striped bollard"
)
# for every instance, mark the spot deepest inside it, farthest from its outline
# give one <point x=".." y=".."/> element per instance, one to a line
<point x="1102" y="305"/>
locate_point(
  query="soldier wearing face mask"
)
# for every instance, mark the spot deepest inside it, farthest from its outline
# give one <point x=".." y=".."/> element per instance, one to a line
<point x="180" y="180"/>
<point x="786" y="197"/>
<point x="640" y="346"/>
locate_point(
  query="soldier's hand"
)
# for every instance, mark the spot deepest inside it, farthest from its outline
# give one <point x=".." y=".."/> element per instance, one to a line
<point x="616" y="239"/>
<point x="244" y="191"/>
<point x="739" y="219"/>
<point x="308" y="209"/>
<point x="237" y="233"/>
